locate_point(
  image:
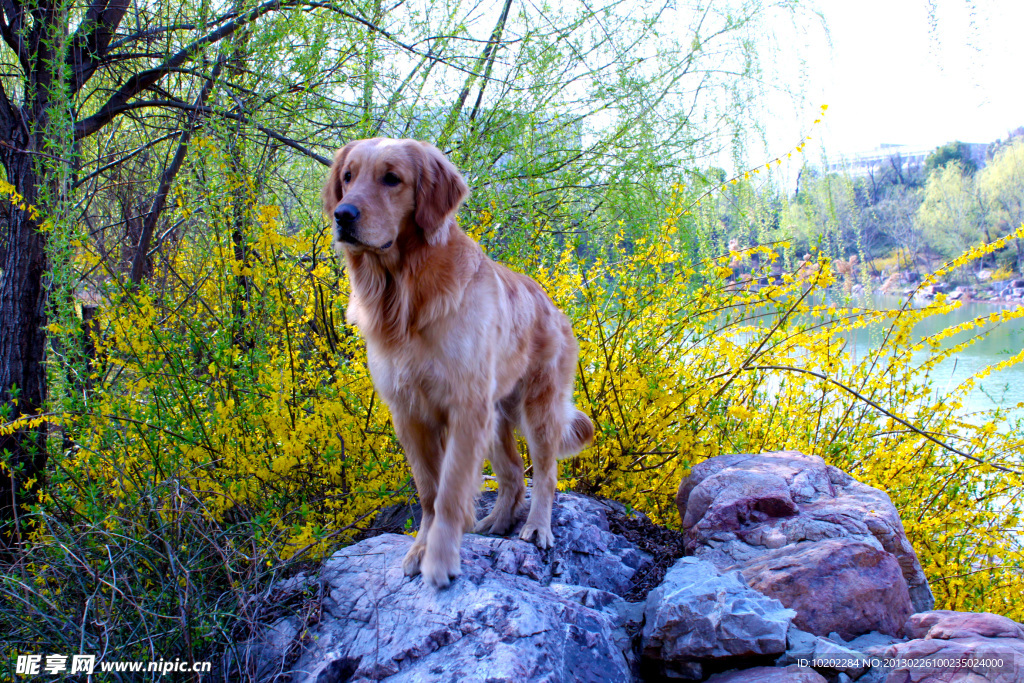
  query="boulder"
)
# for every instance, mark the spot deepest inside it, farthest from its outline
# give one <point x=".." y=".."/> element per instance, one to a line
<point x="793" y="562"/>
<point x="699" y="614"/>
<point x="958" y="646"/>
<point x="773" y="516"/>
<point x="948" y="624"/>
<point x="839" y="586"/>
<point x="516" y="613"/>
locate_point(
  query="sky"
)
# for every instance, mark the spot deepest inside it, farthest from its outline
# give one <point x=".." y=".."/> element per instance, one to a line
<point x="896" y="75"/>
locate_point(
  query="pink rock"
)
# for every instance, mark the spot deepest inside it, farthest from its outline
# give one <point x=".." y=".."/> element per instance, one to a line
<point x="738" y="510"/>
<point x="973" y="659"/>
<point x="770" y="674"/>
<point x="840" y="586"/>
<point x="947" y="624"/>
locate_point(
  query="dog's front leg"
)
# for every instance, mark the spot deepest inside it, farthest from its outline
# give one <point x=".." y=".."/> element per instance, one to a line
<point x="470" y="432"/>
<point x="424" y="451"/>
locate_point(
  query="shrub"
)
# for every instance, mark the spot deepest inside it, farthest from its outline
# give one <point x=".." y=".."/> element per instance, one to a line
<point x="230" y="431"/>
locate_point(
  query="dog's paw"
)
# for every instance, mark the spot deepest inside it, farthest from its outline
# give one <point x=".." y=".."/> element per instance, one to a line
<point x="411" y="563"/>
<point x="497" y="523"/>
<point x="540" y="535"/>
<point x="439" y="568"/>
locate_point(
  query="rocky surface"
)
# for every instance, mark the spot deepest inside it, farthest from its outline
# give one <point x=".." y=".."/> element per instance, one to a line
<point x="808" y="534"/>
<point x="699" y="614"/>
<point x="768" y="674"/>
<point x="957" y="646"/>
<point x="517" y="613"/>
<point x="797" y="574"/>
<point x="499" y="622"/>
<point x="837" y="585"/>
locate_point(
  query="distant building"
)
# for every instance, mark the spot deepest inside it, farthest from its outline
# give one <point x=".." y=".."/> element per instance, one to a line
<point x="906" y="157"/>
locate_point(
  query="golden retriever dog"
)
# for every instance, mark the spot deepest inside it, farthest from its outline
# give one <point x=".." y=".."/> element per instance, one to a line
<point x="462" y="349"/>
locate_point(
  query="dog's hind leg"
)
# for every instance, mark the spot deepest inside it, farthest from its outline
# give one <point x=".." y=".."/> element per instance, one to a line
<point x="423" y="449"/>
<point x="508" y="468"/>
<point x="544" y="437"/>
<point x="554" y="429"/>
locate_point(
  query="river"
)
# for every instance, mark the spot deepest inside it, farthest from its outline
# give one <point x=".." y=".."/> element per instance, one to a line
<point x="1003" y="388"/>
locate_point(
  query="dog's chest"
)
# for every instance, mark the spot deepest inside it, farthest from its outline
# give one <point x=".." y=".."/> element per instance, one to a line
<point x="424" y="377"/>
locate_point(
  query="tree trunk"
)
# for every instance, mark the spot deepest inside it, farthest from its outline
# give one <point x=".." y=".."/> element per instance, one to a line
<point x="23" y="303"/>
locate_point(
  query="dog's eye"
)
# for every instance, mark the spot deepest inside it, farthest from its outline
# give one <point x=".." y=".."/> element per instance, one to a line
<point x="391" y="179"/>
<point x="348" y="176"/>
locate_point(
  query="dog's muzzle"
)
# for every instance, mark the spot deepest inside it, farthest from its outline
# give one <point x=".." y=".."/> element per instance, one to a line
<point x="346" y="217"/>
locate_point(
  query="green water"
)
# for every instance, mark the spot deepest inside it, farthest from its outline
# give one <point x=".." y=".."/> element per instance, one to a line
<point x="1004" y="388"/>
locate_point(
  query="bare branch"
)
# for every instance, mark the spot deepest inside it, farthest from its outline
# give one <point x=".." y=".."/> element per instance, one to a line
<point x="209" y="111"/>
<point x="91" y="41"/>
<point x="12" y="20"/>
<point x="167" y="178"/>
<point x="143" y="80"/>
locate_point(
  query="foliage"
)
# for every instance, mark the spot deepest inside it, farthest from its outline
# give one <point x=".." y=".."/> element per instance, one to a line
<point x="824" y="213"/>
<point x="951" y="213"/>
<point x="213" y="425"/>
<point x="1001" y="184"/>
<point x="212" y="458"/>
<point x="950" y="153"/>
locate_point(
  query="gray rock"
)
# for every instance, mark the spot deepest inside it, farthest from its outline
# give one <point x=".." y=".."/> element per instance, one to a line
<point x="765" y="674"/>
<point x="516" y="613"/>
<point x="377" y="624"/>
<point x="586" y="552"/>
<point x="873" y="643"/>
<point x="842" y="660"/>
<point x="799" y="647"/>
<point x="699" y="613"/>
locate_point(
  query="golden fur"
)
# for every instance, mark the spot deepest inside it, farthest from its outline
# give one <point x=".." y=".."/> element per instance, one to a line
<point x="462" y="349"/>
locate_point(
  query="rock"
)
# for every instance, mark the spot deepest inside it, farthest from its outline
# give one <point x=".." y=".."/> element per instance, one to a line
<point x="960" y="646"/>
<point x="833" y="657"/>
<point x="786" y="550"/>
<point x="764" y="513"/>
<point x="873" y="643"/>
<point x="768" y="674"/>
<point x="699" y="613"/>
<point x="586" y="552"/>
<point x="799" y="647"/>
<point x="271" y="649"/>
<point x="516" y="612"/>
<point x="836" y="585"/>
<point x="947" y="624"/>
<point x="966" y="660"/>
<point x="983" y="275"/>
<point x="377" y="624"/>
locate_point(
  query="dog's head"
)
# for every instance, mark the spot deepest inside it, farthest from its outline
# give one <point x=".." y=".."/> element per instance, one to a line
<point x="381" y="189"/>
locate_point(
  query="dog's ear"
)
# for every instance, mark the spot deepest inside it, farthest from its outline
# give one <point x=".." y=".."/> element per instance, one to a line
<point x="333" y="189"/>
<point x="439" y="191"/>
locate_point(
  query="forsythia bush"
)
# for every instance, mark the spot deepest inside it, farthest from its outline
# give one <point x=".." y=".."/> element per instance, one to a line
<point x="229" y="422"/>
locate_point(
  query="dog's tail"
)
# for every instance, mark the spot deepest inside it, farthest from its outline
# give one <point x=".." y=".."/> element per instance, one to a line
<point x="577" y="434"/>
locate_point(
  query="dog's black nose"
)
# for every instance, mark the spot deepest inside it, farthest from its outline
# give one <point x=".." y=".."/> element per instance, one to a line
<point x="346" y="215"/>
